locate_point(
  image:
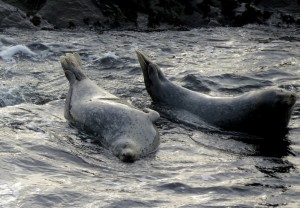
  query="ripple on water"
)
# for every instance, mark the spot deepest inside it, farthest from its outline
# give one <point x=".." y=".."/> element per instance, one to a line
<point x="45" y="162"/>
<point x="10" y="96"/>
<point x="7" y="53"/>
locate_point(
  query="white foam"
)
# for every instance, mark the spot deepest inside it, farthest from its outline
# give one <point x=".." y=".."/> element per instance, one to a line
<point x="10" y="96"/>
<point x="107" y="59"/>
<point x="9" y="193"/>
<point x="110" y="55"/>
<point x="7" y="53"/>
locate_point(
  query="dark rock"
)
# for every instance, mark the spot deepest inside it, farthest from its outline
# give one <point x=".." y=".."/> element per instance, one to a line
<point x="71" y="13"/>
<point x="213" y="23"/>
<point x="11" y="16"/>
<point x="36" y="20"/>
<point x="281" y="11"/>
<point x="28" y="6"/>
<point x="228" y="6"/>
<point x="154" y="14"/>
<point x="248" y="14"/>
<point x="204" y="7"/>
<point x="287" y="18"/>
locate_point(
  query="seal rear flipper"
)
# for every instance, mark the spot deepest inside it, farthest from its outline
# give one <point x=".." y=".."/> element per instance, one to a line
<point x="71" y="64"/>
<point x="70" y="76"/>
<point x="151" y="114"/>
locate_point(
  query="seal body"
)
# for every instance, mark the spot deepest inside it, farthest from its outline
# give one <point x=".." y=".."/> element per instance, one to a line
<point x="128" y="132"/>
<point x="264" y="112"/>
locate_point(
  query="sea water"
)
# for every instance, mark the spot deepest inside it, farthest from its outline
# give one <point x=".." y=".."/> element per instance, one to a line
<point x="45" y="162"/>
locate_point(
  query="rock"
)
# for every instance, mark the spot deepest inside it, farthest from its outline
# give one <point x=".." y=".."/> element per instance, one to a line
<point x="249" y="14"/>
<point x="282" y="11"/>
<point x="28" y="6"/>
<point x="151" y="15"/>
<point x="73" y="13"/>
<point x="11" y="16"/>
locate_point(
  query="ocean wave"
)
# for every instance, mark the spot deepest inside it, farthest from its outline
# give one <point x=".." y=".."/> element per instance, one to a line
<point x="7" y="53"/>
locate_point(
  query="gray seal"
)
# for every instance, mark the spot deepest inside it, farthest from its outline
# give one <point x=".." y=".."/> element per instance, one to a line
<point x="263" y="112"/>
<point x="128" y="132"/>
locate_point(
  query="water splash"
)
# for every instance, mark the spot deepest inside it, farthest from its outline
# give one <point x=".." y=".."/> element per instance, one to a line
<point x="107" y="60"/>
<point x="11" y="96"/>
<point x="7" y="53"/>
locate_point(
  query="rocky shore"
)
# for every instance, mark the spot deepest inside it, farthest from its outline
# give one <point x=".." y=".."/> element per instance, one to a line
<point x="146" y="14"/>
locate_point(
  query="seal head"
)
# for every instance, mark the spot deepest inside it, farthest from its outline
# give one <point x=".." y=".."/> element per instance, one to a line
<point x="126" y="150"/>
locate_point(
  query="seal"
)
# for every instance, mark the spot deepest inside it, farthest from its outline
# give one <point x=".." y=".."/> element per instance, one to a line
<point x="263" y="112"/>
<point x="125" y="130"/>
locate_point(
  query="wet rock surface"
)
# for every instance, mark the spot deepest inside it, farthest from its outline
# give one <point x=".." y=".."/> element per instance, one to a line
<point x="147" y="15"/>
<point x="11" y="16"/>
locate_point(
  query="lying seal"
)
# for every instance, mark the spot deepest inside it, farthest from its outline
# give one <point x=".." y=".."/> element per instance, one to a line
<point x="264" y="112"/>
<point x="128" y="132"/>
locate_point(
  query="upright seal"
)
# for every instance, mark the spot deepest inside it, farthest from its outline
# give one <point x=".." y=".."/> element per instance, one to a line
<point x="128" y="132"/>
<point x="263" y="112"/>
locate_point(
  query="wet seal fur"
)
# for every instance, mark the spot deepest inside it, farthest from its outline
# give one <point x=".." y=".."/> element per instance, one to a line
<point x="128" y="132"/>
<point x="263" y="113"/>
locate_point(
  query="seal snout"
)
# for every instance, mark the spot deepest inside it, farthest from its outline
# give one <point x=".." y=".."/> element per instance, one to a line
<point x="126" y="150"/>
<point x="127" y="155"/>
<point x="143" y="59"/>
<point x="144" y="63"/>
<point x="287" y="99"/>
